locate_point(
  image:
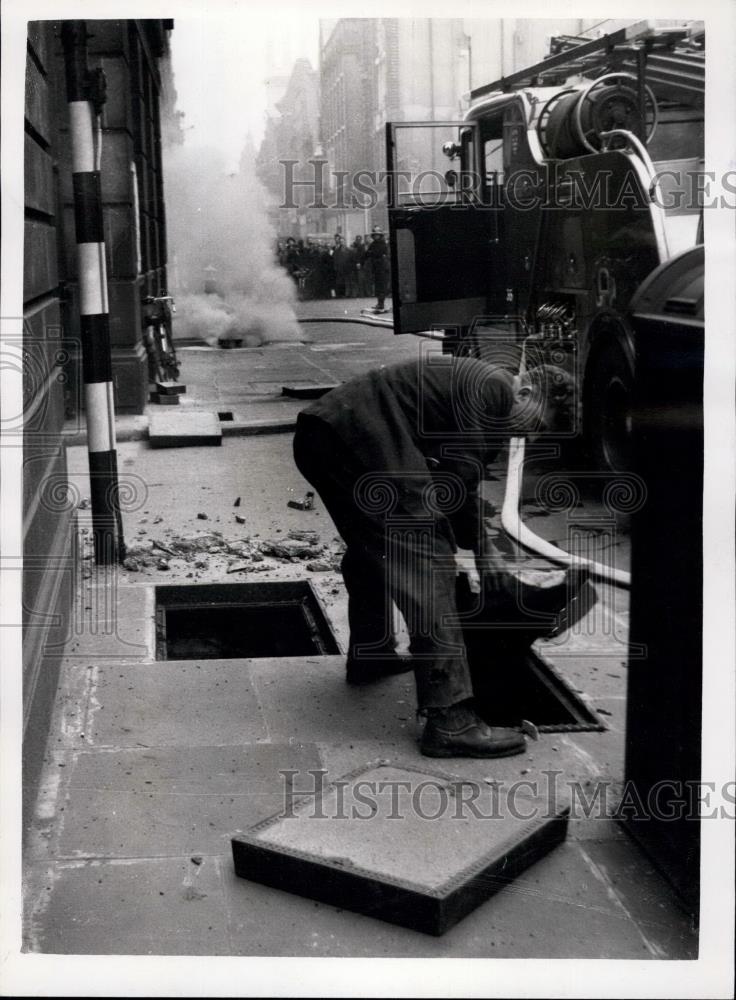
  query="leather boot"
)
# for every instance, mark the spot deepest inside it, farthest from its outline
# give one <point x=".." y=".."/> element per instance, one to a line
<point x="457" y="731"/>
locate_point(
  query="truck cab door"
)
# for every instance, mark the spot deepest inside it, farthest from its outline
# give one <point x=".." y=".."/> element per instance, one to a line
<point x="443" y="238"/>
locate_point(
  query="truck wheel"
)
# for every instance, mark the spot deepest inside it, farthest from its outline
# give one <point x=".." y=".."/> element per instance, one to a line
<point x="608" y="391"/>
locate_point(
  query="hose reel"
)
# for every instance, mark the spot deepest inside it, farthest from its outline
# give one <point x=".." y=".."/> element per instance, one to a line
<point x="571" y="122"/>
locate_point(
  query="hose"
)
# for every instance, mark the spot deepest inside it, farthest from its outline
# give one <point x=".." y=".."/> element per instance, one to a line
<point x="510" y="516"/>
<point x="518" y="531"/>
<point x="384" y="324"/>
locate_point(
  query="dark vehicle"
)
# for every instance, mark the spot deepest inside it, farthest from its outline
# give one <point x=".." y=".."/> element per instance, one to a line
<point x="570" y="182"/>
<point x="667" y="416"/>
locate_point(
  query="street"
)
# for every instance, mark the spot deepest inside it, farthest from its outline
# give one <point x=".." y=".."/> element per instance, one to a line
<point x="152" y="766"/>
<point x="436" y="669"/>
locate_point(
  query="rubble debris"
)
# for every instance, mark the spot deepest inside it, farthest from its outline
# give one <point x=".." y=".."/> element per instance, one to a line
<point x="306" y="503"/>
<point x="290" y="548"/>
<point x="237" y="554"/>
<point x="159" y="545"/>
<point x="142" y="549"/>
<point x="304" y="536"/>
<point x="529" y="729"/>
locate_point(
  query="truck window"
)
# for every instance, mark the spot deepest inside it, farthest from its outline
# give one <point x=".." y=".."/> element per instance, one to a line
<point x="427" y="176"/>
<point x="493" y="155"/>
<point x="493" y="158"/>
<point x="677" y="150"/>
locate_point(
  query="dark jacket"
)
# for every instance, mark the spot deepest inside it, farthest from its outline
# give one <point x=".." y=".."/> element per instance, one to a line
<point x="377" y="254"/>
<point x="436" y="420"/>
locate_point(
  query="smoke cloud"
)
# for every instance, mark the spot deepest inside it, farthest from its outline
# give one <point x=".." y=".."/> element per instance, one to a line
<point x="220" y="238"/>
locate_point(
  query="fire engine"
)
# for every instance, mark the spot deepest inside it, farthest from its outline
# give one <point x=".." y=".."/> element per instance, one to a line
<point x="569" y="183"/>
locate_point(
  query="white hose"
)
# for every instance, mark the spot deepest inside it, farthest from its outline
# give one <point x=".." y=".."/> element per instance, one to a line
<point x="520" y="533"/>
<point x="510" y="516"/>
<point x="384" y="324"/>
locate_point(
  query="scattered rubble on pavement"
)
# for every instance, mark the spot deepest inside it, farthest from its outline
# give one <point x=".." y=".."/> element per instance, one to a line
<point x="213" y="551"/>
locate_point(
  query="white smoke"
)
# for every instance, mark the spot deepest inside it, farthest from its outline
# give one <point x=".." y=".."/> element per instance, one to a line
<point x="218" y="220"/>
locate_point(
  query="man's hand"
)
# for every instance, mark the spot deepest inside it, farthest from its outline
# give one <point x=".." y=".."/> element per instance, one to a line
<point x="465" y="560"/>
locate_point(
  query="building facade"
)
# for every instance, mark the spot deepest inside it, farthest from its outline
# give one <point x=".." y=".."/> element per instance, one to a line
<point x="130" y="54"/>
<point x="347" y="102"/>
<point x="376" y="70"/>
<point x="291" y="134"/>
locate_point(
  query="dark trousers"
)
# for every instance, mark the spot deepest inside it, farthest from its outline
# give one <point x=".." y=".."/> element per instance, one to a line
<point x="380" y="282"/>
<point x="394" y="554"/>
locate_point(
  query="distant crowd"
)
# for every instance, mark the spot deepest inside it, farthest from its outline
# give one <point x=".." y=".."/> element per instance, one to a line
<point x="322" y="269"/>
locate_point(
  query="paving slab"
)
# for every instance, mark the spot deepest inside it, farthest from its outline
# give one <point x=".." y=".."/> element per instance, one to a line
<point x="412" y="846"/>
<point x="646" y="896"/>
<point x="212" y="701"/>
<point x="541" y="770"/>
<point x="161" y="801"/>
<point x="167" y="906"/>
<point x="604" y="676"/>
<point x="107" y="619"/>
<point x="307" y="703"/>
<point x="257" y="424"/>
<point x="183" y="429"/>
<point x="307" y="389"/>
<point x="557" y="909"/>
<point x="177" y="486"/>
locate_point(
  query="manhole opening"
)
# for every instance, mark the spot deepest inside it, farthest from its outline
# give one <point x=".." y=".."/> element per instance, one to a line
<point x="224" y="414"/>
<point x="239" y="621"/>
<point x="532" y="689"/>
<point x="512" y="682"/>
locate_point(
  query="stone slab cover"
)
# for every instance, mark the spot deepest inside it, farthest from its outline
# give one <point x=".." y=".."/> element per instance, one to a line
<point x="182" y="430"/>
<point x="413" y="847"/>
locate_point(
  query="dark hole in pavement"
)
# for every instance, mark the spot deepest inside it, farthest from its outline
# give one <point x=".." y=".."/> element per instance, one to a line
<point x="237" y="621"/>
<point x="530" y="688"/>
<point x="224" y="414"/>
<point x="512" y="680"/>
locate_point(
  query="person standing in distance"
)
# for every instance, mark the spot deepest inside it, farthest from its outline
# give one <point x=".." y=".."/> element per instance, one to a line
<point x="377" y="254"/>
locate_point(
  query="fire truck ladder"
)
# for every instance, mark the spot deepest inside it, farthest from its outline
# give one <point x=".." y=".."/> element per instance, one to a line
<point x="670" y="61"/>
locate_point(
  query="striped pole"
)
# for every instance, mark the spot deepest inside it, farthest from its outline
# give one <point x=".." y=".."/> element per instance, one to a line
<point x="93" y="307"/>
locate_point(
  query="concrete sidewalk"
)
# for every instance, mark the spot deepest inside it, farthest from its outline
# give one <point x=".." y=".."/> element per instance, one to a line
<point x="246" y="383"/>
<point x="151" y="766"/>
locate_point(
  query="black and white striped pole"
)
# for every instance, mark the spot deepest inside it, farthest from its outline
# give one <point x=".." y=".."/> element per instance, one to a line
<point x="85" y="95"/>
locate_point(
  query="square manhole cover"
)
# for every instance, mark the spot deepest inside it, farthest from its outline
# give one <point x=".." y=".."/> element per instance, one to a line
<point x="241" y="621"/>
<point x="413" y="847"/>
